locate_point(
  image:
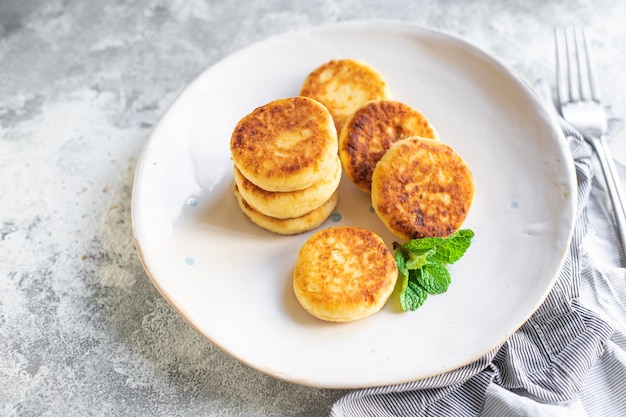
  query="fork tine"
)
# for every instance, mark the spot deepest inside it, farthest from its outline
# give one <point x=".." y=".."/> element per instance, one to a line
<point x="582" y="63"/>
<point x="562" y="64"/>
<point x="573" y="64"/>
<point x="594" y="87"/>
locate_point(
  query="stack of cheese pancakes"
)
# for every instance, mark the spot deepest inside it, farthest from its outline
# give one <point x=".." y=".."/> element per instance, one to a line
<point x="286" y="165"/>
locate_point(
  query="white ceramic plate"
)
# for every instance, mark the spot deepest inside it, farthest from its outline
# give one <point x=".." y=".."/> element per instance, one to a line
<point x="232" y="280"/>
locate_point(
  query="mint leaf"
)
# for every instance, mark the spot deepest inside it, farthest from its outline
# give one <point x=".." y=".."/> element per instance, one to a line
<point x="401" y="263"/>
<point x="433" y="277"/>
<point x="403" y="276"/>
<point x="422" y="245"/>
<point x="412" y="259"/>
<point x="452" y="248"/>
<point x="413" y="296"/>
<point x="422" y="265"/>
<point x="417" y="261"/>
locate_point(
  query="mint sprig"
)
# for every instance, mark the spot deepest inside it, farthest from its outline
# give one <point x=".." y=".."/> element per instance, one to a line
<point x="422" y="265"/>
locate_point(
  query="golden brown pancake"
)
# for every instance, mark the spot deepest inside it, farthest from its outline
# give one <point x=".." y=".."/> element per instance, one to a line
<point x="289" y="204"/>
<point x="291" y="226"/>
<point x="286" y="145"/>
<point x="344" y="274"/>
<point x="371" y="130"/>
<point x="343" y="86"/>
<point x="422" y="187"/>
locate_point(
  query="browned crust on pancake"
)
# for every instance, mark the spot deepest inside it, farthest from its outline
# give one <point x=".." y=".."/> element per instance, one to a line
<point x="286" y="145"/>
<point x="422" y="188"/>
<point x="344" y="274"/>
<point x="371" y="130"/>
<point x="343" y="86"/>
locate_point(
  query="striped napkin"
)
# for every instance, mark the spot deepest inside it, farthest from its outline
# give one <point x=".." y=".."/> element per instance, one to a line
<point x="569" y="359"/>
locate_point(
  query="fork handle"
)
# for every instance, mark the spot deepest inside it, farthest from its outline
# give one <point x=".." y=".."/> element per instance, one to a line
<point x="614" y="185"/>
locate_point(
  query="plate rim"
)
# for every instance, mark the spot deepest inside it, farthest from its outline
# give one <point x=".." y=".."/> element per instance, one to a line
<point x="388" y="23"/>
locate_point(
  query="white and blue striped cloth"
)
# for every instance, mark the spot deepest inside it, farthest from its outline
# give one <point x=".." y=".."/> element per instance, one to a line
<point x="569" y="359"/>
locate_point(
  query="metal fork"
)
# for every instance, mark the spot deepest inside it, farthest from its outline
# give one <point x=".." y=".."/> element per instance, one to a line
<point x="580" y="105"/>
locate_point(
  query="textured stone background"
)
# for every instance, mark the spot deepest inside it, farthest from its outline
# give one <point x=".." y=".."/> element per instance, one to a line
<point x="82" y="330"/>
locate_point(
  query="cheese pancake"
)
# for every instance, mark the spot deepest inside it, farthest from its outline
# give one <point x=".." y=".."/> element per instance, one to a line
<point x="289" y="204"/>
<point x="344" y="274"/>
<point x="422" y="187"/>
<point x="371" y="130"/>
<point x="286" y="145"/>
<point x="343" y="86"/>
<point x="290" y="226"/>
